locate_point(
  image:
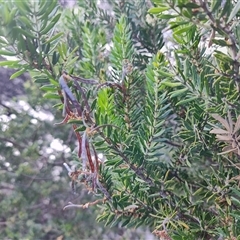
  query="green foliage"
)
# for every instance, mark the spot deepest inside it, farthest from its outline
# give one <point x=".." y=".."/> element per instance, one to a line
<point x="149" y="113"/>
<point x="34" y="187"/>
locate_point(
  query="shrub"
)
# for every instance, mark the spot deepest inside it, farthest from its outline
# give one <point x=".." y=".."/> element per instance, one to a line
<point x="165" y="122"/>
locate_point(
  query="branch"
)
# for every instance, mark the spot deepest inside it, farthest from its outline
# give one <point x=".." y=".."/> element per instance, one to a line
<point x="228" y="32"/>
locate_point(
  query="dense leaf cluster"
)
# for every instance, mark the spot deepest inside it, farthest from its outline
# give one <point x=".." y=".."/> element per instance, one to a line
<point x="148" y="113"/>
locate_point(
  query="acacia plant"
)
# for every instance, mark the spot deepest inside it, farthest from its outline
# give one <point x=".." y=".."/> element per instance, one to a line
<point x="148" y="122"/>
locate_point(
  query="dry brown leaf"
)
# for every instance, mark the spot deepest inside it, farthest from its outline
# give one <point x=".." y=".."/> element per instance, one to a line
<point x="224" y="137"/>
<point x="163" y="235"/>
<point x="230" y="136"/>
<point x="219" y="131"/>
<point x="236" y="178"/>
<point x="228" y="149"/>
<point x="222" y="121"/>
<point x="61" y="237"/>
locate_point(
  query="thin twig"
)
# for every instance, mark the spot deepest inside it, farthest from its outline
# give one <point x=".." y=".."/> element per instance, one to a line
<point x="86" y="205"/>
<point x="85" y="80"/>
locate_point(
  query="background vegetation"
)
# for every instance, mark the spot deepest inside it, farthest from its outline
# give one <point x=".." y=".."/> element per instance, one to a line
<point x="151" y="119"/>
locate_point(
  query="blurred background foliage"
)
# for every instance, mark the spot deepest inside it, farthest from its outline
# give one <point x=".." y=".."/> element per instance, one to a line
<point x="165" y="111"/>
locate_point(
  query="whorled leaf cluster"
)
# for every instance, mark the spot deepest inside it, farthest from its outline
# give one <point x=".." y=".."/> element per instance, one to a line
<point x="230" y="135"/>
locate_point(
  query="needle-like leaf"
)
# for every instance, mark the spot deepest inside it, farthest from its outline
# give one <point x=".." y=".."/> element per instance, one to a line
<point x="79" y="140"/>
<point x="219" y="131"/>
<point x="228" y="136"/>
<point x="222" y="121"/>
<point x="228" y="149"/>
<point x="224" y="137"/>
<point x="230" y="121"/>
<point x="237" y="125"/>
<point x="84" y="152"/>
